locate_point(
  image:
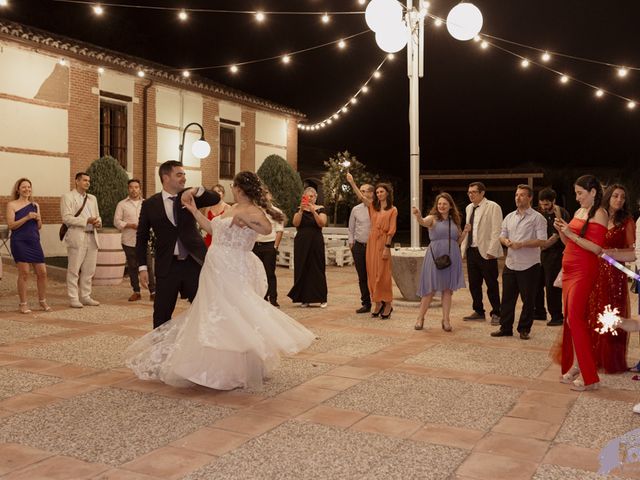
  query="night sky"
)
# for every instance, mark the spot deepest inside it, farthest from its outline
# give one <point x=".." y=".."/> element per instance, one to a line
<point x="479" y="108"/>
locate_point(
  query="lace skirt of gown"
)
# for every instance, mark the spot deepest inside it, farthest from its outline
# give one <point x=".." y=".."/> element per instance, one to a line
<point x="229" y="337"/>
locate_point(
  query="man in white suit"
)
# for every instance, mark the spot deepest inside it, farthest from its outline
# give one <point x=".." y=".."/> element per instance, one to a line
<point x="482" y="249"/>
<point x="80" y="214"/>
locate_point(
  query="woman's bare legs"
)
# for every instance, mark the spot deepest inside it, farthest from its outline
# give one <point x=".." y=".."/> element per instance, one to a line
<point x="446" y="309"/>
<point x="424" y="307"/>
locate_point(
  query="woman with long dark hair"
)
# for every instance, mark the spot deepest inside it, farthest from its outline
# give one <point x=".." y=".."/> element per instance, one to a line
<point x="445" y="238"/>
<point x="24" y="221"/>
<point x="384" y="218"/>
<point x="611" y="284"/>
<point x="584" y="238"/>
<point x="229" y="337"/>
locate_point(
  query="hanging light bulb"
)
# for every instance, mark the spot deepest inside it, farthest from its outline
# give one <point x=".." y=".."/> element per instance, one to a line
<point x="377" y="74"/>
<point x="100" y="70"/>
<point x="524" y="63"/>
<point x="141" y="73"/>
<point x="477" y="38"/>
<point x="186" y="73"/>
<point x="622" y="72"/>
<point x="391" y="56"/>
<point x="354" y="100"/>
<point x="286" y="59"/>
<point x="182" y="15"/>
<point x="438" y="22"/>
<point x="546" y="57"/>
<point x="342" y="44"/>
<point x="234" y="69"/>
<point x="97" y="9"/>
<point x="364" y="89"/>
<point x="336" y="115"/>
<point x="260" y="16"/>
<point x="329" y="121"/>
<point x="484" y="45"/>
<point x="464" y="21"/>
<point x="599" y="93"/>
<point x="564" y="79"/>
<point x="344" y="109"/>
<point x="4" y="3"/>
<point x="631" y="105"/>
<point x="325" y="18"/>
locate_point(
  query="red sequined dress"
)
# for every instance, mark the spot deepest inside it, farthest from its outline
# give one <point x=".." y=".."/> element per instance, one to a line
<point x="611" y="288"/>
<point x="210" y="216"/>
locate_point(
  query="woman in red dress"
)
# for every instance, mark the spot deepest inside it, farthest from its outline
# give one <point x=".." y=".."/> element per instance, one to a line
<point x="584" y="238"/>
<point x="611" y="287"/>
<point x="215" y="211"/>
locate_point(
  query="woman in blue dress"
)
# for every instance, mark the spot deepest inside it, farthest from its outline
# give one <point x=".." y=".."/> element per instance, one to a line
<point x="443" y="223"/>
<point x="24" y="220"/>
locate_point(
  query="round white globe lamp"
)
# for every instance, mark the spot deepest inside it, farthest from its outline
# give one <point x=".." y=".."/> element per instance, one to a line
<point x="380" y="13"/>
<point x="464" y="21"/>
<point x="200" y="149"/>
<point x="393" y="38"/>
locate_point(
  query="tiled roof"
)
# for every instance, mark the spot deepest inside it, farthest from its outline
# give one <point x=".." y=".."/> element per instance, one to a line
<point x="109" y="58"/>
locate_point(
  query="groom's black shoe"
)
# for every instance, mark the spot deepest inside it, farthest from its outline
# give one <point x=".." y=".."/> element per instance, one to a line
<point x="275" y="303"/>
<point x="364" y="309"/>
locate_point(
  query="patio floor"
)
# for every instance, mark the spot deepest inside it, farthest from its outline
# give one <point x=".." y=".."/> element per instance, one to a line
<point x="370" y="399"/>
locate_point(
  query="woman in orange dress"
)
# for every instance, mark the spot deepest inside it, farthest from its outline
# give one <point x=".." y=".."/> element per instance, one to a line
<point x="584" y="239"/>
<point x="611" y="285"/>
<point x="378" y="257"/>
<point x="215" y="211"/>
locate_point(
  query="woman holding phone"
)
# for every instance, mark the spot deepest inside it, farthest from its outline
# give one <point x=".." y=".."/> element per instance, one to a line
<point x="310" y="281"/>
<point x="24" y="220"/>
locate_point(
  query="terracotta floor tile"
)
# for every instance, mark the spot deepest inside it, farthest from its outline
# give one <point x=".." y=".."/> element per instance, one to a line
<point x="35" y="365"/>
<point x="105" y="378"/>
<point x="58" y="468"/>
<point x="349" y="371"/>
<point x="567" y="455"/>
<point x="14" y="456"/>
<point x="68" y="370"/>
<point x="309" y="393"/>
<point x="527" y="428"/>
<point x="6" y="413"/>
<point x="551" y="386"/>
<point x="392" y="426"/>
<point x="117" y="474"/>
<point x="528" y="449"/>
<point x="281" y="407"/>
<point x="332" y="358"/>
<point x="336" y="417"/>
<point x="26" y="401"/>
<point x="548" y="399"/>
<point x="535" y="412"/>
<point x="332" y="382"/>
<point x="212" y="441"/>
<point x="168" y="462"/>
<point x="66" y="389"/>
<point x="249" y="423"/>
<point x="485" y="466"/>
<point x="456" y="437"/>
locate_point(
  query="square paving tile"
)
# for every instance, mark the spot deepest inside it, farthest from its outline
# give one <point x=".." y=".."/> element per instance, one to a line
<point x="168" y="462"/>
<point x="12" y="331"/>
<point x="14" y="382"/>
<point x="57" y="468"/>
<point x="433" y="400"/>
<point x="486" y="466"/>
<point x="14" y="456"/>
<point x="103" y="314"/>
<point x="556" y="472"/>
<point x="290" y="372"/>
<point x="101" y="351"/>
<point x="482" y="359"/>
<point x="298" y="450"/>
<point x="110" y="426"/>
<point x="342" y="343"/>
<point x="593" y="422"/>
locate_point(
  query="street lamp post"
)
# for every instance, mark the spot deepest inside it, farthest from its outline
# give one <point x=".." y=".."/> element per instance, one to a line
<point x="200" y="148"/>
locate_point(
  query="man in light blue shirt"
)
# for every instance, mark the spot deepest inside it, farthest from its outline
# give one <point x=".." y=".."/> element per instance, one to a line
<point x="359" y="226"/>
<point x="524" y="231"/>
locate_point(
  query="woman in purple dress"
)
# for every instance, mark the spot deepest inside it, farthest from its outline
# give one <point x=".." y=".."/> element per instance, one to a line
<point x="23" y="218"/>
<point x="445" y="235"/>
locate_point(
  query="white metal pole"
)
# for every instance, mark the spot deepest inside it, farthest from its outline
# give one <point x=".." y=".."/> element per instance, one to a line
<point x="413" y="61"/>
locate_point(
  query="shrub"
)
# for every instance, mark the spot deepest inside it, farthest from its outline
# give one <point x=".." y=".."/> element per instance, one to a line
<point x="109" y="185"/>
<point x="283" y="182"/>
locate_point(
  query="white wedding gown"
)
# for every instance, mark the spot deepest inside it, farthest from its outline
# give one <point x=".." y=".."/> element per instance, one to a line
<point x="230" y="336"/>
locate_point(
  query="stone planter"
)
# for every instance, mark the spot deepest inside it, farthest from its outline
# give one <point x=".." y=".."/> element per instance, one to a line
<point x="111" y="258"/>
<point x="406" y="265"/>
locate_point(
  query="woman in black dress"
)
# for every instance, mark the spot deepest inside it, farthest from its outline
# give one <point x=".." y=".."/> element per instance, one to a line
<point x="310" y="281"/>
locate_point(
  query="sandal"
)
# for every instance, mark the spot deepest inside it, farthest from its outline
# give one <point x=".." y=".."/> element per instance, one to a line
<point x="579" y="386"/>
<point x="24" y="307"/>
<point x="44" y="306"/>
<point x="571" y="375"/>
<point x="447" y="328"/>
<point x="419" y="326"/>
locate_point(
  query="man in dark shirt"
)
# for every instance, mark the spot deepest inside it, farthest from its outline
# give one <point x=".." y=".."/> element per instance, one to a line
<point x="551" y="259"/>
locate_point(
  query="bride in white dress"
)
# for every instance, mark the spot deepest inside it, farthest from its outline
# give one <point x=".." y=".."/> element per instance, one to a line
<point x="229" y="337"/>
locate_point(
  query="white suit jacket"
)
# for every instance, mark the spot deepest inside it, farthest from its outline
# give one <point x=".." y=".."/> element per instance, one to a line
<point x="69" y="205"/>
<point x="487" y="236"/>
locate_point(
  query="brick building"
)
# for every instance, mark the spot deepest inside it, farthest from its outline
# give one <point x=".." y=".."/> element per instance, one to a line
<point x="64" y="103"/>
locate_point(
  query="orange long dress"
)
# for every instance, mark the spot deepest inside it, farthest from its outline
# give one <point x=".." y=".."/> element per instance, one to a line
<point x="579" y="271"/>
<point x="383" y="225"/>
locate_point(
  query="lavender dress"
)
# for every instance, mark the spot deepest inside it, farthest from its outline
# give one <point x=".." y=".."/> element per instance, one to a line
<point x="25" y="240"/>
<point x="451" y="278"/>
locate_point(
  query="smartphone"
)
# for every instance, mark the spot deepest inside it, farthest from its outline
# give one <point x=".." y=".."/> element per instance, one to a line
<point x="305" y="200"/>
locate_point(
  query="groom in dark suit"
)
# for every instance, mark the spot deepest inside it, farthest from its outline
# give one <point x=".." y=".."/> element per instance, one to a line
<point x="179" y="247"/>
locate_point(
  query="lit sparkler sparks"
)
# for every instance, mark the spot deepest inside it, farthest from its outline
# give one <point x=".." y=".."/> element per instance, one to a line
<point x="610" y="320"/>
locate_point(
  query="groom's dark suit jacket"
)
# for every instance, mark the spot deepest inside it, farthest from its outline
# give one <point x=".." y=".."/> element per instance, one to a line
<point x="153" y="216"/>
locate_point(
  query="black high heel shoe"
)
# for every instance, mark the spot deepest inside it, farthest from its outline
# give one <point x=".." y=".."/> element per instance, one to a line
<point x="388" y="315"/>
<point x="377" y="314"/>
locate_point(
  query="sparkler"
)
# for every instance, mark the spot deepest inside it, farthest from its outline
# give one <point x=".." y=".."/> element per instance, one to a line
<point x="610" y="320"/>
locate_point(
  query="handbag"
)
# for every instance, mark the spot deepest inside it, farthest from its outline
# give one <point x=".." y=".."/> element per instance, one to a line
<point x="558" y="281"/>
<point x="443" y="261"/>
<point x="63" y="227"/>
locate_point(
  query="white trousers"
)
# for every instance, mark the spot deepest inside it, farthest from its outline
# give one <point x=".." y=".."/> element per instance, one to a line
<point x="81" y="268"/>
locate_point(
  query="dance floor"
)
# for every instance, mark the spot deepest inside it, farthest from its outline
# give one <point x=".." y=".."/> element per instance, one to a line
<point x="369" y="399"/>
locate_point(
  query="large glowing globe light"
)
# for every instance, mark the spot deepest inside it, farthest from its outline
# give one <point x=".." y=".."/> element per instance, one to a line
<point x="393" y="37"/>
<point x="200" y="149"/>
<point x="464" y="21"/>
<point x="380" y="13"/>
